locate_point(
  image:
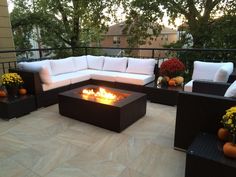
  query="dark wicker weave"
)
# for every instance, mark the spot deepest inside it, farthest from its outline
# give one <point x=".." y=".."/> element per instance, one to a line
<point x="198" y="112"/>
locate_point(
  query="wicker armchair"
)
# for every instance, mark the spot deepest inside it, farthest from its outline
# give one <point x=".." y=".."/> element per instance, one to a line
<point x="199" y="111"/>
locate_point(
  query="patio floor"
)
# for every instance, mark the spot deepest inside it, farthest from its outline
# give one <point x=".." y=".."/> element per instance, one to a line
<point x="45" y="143"/>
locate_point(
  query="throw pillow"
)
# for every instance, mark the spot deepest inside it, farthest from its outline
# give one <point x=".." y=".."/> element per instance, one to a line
<point x="231" y="91"/>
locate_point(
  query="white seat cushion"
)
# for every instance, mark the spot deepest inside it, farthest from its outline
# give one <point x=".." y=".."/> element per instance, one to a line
<point x="57" y="81"/>
<point x="82" y="75"/>
<point x="188" y="87"/>
<point x="95" y="62"/>
<point x="105" y="76"/>
<point x="136" y="79"/>
<point x="115" y="64"/>
<point x="80" y="62"/>
<point x="62" y="66"/>
<point x="141" y="66"/>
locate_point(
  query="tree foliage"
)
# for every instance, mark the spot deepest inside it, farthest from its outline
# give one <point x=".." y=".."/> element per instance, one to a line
<point x="199" y="15"/>
<point x="62" y="23"/>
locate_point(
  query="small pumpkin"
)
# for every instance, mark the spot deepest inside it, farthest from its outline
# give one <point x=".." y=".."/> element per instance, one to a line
<point x="223" y="134"/>
<point x="172" y="82"/>
<point x="179" y="80"/>
<point x="22" y="91"/>
<point x="3" y="93"/>
<point x="229" y="150"/>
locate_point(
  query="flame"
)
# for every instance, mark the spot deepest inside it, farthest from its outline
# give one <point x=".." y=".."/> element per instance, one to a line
<point x="101" y="93"/>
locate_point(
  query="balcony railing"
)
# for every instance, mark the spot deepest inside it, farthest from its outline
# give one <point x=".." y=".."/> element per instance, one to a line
<point x="160" y="54"/>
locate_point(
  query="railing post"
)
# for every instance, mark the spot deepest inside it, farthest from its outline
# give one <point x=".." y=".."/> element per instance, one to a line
<point x="153" y="53"/>
<point x="86" y="50"/>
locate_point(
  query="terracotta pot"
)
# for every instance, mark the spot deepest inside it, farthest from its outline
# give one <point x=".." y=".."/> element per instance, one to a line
<point x="223" y="134"/>
<point x="2" y="93"/>
<point x="230" y="149"/>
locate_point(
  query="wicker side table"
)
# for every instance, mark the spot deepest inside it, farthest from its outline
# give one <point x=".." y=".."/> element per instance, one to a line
<point x="205" y="158"/>
<point x="16" y="107"/>
<point x="163" y="95"/>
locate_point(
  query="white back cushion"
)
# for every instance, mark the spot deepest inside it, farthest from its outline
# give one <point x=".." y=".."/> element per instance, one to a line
<point x="80" y="62"/>
<point x="205" y="70"/>
<point x="231" y="91"/>
<point x="62" y="66"/>
<point x="141" y="66"/>
<point x="115" y="64"/>
<point x="42" y="67"/>
<point x="223" y="73"/>
<point x="95" y="62"/>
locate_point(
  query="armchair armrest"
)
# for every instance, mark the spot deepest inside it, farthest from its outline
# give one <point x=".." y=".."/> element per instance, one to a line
<point x="198" y="112"/>
<point x="214" y="88"/>
<point x="32" y="81"/>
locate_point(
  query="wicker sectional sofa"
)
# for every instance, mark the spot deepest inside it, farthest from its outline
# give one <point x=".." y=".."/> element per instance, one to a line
<point x="46" y="78"/>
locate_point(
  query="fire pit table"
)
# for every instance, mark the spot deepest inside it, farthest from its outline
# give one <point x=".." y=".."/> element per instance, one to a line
<point x="109" y="108"/>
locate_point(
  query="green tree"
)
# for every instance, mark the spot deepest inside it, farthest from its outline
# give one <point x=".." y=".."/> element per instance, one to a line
<point x="198" y="14"/>
<point x="65" y="23"/>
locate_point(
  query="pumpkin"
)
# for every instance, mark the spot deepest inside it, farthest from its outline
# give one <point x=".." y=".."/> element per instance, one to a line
<point x="171" y="82"/>
<point x="229" y="149"/>
<point x="179" y="80"/>
<point x="22" y="91"/>
<point x="223" y="134"/>
<point x="3" y="93"/>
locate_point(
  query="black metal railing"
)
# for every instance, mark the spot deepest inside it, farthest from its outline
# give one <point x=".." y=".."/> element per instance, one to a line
<point x="160" y="54"/>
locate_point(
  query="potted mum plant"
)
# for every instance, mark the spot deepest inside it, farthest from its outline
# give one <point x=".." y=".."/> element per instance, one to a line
<point x="171" y="72"/>
<point x="11" y="81"/>
<point x="229" y="124"/>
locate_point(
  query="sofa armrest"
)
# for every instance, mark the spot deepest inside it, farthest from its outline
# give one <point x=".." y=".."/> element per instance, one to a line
<point x="32" y="81"/>
<point x="198" y="112"/>
<point x="214" y="88"/>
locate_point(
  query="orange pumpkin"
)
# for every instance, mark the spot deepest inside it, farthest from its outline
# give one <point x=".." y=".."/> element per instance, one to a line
<point x="229" y="149"/>
<point x="3" y="93"/>
<point x="22" y="91"/>
<point x="172" y="82"/>
<point x="223" y="134"/>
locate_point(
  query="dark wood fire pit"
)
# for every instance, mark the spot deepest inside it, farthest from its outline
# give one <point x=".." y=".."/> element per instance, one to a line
<point x="115" y="115"/>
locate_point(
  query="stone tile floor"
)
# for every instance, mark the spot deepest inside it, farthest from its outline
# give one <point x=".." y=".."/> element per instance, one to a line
<point x="46" y="144"/>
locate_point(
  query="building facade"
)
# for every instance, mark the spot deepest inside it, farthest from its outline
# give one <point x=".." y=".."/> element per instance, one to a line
<point x="115" y="38"/>
<point x="6" y="37"/>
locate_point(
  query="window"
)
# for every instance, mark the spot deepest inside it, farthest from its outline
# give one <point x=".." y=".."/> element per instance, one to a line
<point x="116" y="40"/>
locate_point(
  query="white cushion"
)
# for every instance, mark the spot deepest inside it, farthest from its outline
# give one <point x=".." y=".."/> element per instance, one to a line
<point x="188" y="87"/>
<point x="115" y="64"/>
<point x="57" y="81"/>
<point x="104" y="76"/>
<point x="141" y="66"/>
<point x="62" y="66"/>
<point x="42" y="67"/>
<point x="223" y="73"/>
<point x="95" y="62"/>
<point x="136" y="79"/>
<point x="33" y="66"/>
<point x="80" y="62"/>
<point x="231" y="91"/>
<point x="82" y="75"/>
<point x="206" y="70"/>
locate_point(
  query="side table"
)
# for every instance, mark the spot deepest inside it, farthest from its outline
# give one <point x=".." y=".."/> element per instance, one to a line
<point x="16" y="107"/>
<point x="162" y="94"/>
<point x="205" y="158"/>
